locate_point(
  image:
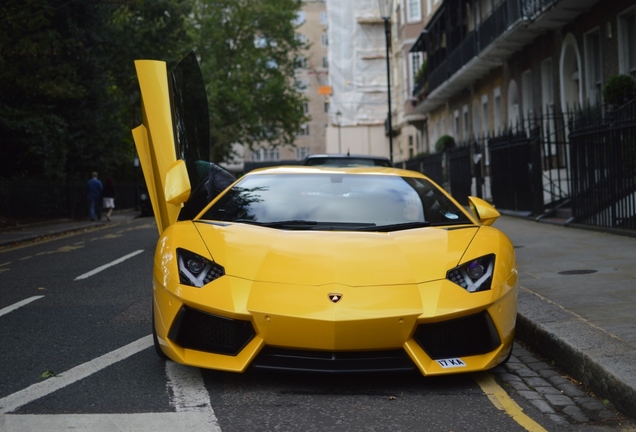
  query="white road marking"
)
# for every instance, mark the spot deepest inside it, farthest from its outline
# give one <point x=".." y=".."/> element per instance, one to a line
<point x="186" y="387"/>
<point x="19" y="304"/>
<point x="16" y="400"/>
<point x="189" y="397"/>
<point x="110" y="264"/>
<point x="147" y="422"/>
<point x="188" y="393"/>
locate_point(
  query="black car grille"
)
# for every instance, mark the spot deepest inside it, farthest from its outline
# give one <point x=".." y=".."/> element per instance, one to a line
<point x="333" y="362"/>
<point x="202" y="331"/>
<point x="466" y="336"/>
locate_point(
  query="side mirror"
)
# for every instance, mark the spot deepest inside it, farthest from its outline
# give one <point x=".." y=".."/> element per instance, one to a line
<point x="483" y="210"/>
<point x="177" y="186"/>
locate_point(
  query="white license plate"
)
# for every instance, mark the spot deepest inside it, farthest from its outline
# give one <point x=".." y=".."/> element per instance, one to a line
<point x="451" y="363"/>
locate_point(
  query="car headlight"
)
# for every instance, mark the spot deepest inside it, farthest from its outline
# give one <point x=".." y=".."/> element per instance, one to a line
<point x="475" y="275"/>
<point x="195" y="270"/>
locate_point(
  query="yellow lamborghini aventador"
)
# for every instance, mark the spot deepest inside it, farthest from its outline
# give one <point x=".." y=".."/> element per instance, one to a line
<point x="313" y="269"/>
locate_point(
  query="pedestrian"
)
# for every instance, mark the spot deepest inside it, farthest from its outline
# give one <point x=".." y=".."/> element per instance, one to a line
<point x="108" y="197"/>
<point x="94" y="187"/>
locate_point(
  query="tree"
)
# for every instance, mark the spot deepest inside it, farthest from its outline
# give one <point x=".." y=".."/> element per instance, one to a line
<point x="67" y="81"/>
<point x="248" y="51"/>
<point x="619" y="89"/>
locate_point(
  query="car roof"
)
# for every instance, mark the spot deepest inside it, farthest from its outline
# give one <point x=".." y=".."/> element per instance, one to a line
<point x="361" y="170"/>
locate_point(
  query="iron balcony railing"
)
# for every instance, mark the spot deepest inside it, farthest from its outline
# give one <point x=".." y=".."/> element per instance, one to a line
<point x="463" y="50"/>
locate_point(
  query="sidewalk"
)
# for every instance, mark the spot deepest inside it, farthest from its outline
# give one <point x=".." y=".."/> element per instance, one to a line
<point x="20" y="234"/>
<point x="577" y="303"/>
<point x="577" y="298"/>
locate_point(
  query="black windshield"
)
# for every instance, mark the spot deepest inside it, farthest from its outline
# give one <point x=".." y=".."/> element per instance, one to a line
<point x="336" y="201"/>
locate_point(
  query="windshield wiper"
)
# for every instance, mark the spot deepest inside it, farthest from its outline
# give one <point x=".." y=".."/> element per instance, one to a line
<point x="309" y="224"/>
<point x="396" y="227"/>
<point x="280" y="224"/>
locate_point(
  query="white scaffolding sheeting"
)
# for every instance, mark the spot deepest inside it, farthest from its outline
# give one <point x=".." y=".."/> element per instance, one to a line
<point x="357" y="62"/>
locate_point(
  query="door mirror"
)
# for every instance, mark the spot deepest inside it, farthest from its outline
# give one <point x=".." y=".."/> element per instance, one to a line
<point x="483" y="210"/>
<point x="177" y="189"/>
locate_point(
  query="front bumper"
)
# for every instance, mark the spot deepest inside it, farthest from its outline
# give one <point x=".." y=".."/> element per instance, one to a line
<point x="436" y="327"/>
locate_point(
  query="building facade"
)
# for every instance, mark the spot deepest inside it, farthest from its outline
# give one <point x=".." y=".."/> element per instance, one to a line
<point x="494" y="64"/>
<point x="311" y="75"/>
<point x="358" y="78"/>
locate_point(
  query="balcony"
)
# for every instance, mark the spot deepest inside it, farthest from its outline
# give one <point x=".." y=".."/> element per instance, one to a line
<point x="512" y="25"/>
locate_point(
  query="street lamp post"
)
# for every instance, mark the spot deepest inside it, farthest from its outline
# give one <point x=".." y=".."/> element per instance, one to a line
<point x="386" y="7"/>
<point x="338" y="114"/>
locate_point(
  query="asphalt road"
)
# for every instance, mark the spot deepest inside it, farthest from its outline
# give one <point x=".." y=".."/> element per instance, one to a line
<point x="75" y="316"/>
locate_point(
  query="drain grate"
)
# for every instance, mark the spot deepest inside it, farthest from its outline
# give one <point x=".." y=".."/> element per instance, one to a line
<point x="577" y="272"/>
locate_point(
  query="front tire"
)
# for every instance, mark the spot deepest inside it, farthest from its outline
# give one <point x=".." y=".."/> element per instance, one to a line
<point x="155" y="340"/>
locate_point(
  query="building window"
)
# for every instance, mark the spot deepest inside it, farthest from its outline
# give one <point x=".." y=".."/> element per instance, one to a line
<point x="302" y="153"/>
<point x="526" y="97"/>
<point x="325" y="62"/>
<point x="263" y="154"/>
<point x="300" y="18"/>
<point x="302" y="38"/>
<point x="305" y="107"/>
<point x="475" y="120"/>
<point x="627" y="42"/>
<point x="456" y="128"/>
<point x="415" y="64"/>
<point x="323" y="18"/>
<point x="547" y="86"/>
<point x="466" y="129"/>
<point x="302" y="85"/>
<point x="413" y="10"/>
<point x="326" y="107"/>
<point x="303" y="131"/>
<point x="593" y="66"/>
<point x="324" y="39"/>
<point x="485" y="124"/>
<point x="497" y="97"/>
<point x="301" y="62"/>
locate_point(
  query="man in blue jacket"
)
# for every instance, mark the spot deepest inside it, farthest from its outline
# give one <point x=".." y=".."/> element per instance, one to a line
<point x="95" y="187"/>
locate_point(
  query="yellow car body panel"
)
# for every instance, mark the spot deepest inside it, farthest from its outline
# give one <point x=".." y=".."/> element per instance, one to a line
<point x="155" y="140"/>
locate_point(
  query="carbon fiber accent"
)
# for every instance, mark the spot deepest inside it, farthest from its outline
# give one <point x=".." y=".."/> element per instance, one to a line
<point x="333" y="362"/>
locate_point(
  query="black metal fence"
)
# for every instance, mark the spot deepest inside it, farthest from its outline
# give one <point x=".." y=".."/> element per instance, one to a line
<point x="430" y="166"/>
<point x="34" y="200"/>
<point x="603" y="159"/>
<point x="583" y="160"/>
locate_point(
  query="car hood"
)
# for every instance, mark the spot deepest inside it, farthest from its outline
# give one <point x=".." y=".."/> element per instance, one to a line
<point x="347" y="258"/>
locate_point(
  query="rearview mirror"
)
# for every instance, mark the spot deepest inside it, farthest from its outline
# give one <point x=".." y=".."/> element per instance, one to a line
<point x="483" y="210"/>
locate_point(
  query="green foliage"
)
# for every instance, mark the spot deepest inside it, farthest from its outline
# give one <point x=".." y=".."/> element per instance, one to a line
<point x="68" y="94"/>
<point x="68" y="88"/>
<point x="421" y="73"/>
<point x="619" y="89"/>
<point x="248" y="51"/>
<point x="444" y="143"/>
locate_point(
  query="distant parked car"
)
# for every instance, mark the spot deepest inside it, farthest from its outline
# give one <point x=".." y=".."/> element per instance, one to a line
<point x="345" y="160"/>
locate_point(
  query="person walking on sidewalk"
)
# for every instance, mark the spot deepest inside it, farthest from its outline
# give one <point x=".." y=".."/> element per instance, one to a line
<point x="108" y="195"/>
<point x="94" y="186"/>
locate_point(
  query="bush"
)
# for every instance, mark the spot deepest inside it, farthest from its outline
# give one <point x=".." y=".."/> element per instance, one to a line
<point x="444" y="143"/>
<point x="619" y="89"/>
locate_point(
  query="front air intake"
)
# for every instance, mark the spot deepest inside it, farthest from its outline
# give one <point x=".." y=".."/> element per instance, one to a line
<point x="460" y="337"/>
<point x="202" y="331"/>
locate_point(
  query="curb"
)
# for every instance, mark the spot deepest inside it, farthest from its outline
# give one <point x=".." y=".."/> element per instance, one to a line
<point x="602" y="362"/>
